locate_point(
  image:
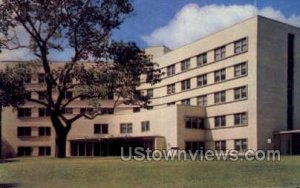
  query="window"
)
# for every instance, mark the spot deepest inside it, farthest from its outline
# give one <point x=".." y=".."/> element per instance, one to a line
<point x="194" y="146"/>
<point x="24" y="112"/>
<point x="220" y="75"/>
<point x="44" y="112"/>
<point x="220" y="145"/>
<point x="42" y="95"/>
<point x="170" y="70"/>
<point x="42" y="78"/>
<point x="44" y="131"/>
<point x="150" y="93"/>
<point x="126" y="128"/>
<point x="110" y="96"/>
<point x="241" y="144"/>
<point x="24" y="151"/>
<point x="28" y="96"/>
<point x="185" y="65"/>
<point x="185" y="84"/>
<point x="27" y="78"/>
<point x="24" y="131"/>
<point x="240" y="119"/>
<point x="220" y="97"/>
<point x="87" y="110"/>
<point x="170" y="89"/>
<point x="220" y="121"/>
<point x="100" y="128"/>
<point x="107" y="111"/>
<point x="194" y="122"/>
<point x="240" y="69"/>
<point x="202" y="59"/>
<point x="67" y="95"/>
<point x="45" y="151"/>
<point x="186" y="102"/>
<point x="202" y="100"/>
<point x="67" y="111"/>
<point x="137" y="109"/>
<point x="220" y="53"/>
<point x="149" y="107"/>
<point x="171" y="103"/>
<point x="202" y="80"/>
<point x="240" y="93"/>
<point x="145" y="125"/>
<point x="241" y="46"/>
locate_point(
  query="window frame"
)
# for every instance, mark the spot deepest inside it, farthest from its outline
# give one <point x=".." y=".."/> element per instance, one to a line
<point x="186" y="102"/>
<point x="240" y="93"/>
<point x="202" y="80"/>
<point x="44" y="131"/>
<point x="220" y="121"/>
<point x="24" y="131"/>
<point x="185" y="65"/>
<point x="240" y="119"/>
<point x="241" y="46"/>
<point x="220" y="75"/>
<point x="25" y="113"/>
<point x="171" y="70"/>
<point x="241" y="145"/>
<point x="101" y="128"/>
<point x="44" y="150"/>
<point x="194" y="122"/>
<point x="220" y="145"/>
<point x="185" y="84"/>
<point x="220" y="97"/>
<point x="145" y="126"/>
<point x="150" y="93"/>
<point x="126" y="128"/>
<point x="220" y="53"/>
<point x="44" y="112"/>
<point x="202" y="59"/>
<point x="171" y="89"/>
<point x="240" y="69"/>
<point x="204" y="100"/>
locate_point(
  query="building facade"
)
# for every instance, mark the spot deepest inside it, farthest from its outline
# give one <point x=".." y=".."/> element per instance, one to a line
<point x="235" y="89"/>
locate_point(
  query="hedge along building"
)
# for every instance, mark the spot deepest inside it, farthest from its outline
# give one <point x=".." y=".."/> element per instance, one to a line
<point x="235" y="89"/>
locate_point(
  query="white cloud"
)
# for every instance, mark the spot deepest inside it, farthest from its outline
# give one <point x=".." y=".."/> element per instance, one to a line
<point x="193" y="22"/>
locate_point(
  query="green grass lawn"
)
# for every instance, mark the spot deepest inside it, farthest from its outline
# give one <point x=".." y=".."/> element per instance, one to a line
<point x="112" y="172"/>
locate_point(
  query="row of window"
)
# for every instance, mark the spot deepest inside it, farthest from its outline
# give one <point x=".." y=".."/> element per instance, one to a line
<point x="239" y="120"/>
<point x="125" y="128"/>
<point x="26" y="131"/>
<point x="44" y="112"/>
<point x="41" y="78"/>
<point x="220" y="75"/>
<point x="220" y="145"/>
<point x="219" y="54"/>
<point x="239" y="145"/>
<point x="219" y="97"/>
<point x="67" y="95"/>
<point x="27" y="151"/>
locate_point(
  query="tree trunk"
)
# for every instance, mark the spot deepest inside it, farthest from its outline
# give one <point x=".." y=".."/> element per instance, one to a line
<point x="60" y="141"/>
<point x="61" y="136"/>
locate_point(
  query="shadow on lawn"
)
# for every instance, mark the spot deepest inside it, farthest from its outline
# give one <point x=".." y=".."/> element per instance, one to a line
<point x="8" y="185"/>
<point x="8" y="161"/>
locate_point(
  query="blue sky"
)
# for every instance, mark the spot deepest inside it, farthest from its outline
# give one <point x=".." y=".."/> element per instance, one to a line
<point x="175" y="23"/>
<point x="152" y="14"/>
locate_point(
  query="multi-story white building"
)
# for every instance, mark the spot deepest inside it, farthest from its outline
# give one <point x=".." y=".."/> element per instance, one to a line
<point x="235" y="89"/>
